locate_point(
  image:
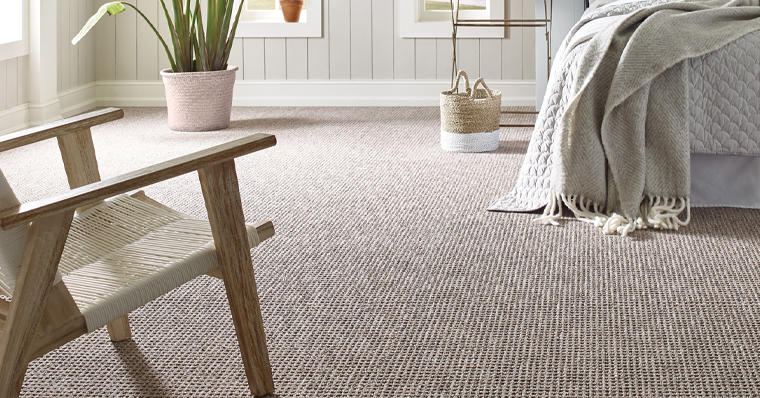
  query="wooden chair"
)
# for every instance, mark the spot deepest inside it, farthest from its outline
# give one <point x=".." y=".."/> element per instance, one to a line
<point x="69" y="274"/>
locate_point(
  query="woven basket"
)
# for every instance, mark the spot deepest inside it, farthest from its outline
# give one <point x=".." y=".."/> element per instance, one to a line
<point x="470" y="119"/>
<point x="199" y="101"/>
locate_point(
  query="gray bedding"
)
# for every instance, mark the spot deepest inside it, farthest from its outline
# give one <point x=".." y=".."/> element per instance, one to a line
<point x="723" y="101"/>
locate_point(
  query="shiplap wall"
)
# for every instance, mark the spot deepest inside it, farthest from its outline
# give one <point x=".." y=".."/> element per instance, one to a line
<point x="359" y="42"/>
<point x="76" y="64"/>
<point x="13" y="84"/>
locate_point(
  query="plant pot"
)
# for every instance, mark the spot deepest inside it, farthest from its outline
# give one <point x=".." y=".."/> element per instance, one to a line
<point x="291" y="10"/>
<point x="199" y="101"/>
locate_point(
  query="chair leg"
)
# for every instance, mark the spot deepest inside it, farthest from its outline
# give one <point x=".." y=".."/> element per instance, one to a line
<point x="37" y="273"/>
<point x="225" y="211"/>
<point x="119" y="330"/>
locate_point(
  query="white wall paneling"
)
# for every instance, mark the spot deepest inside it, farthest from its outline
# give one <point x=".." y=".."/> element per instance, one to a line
<point x="275" y="58"/>
<point x="491" y="59"/>
<point x="512" y="46"/>
<point x="297" y="58"/>
<point x="72" y="69"/>
<point x="147" y="44"/>
<point x="382" y="39"/>
<point x="340" y="38"/>
<point x="425" y="59"/>
<point x="126" y="45"/>
<point x="360" y="41"/>
<point x="76" y="64"/>
<point x="12" y="75"/>
<point x="237" y="57"/>
<point x="105" y="48"/>
<point x="253" y="59"/>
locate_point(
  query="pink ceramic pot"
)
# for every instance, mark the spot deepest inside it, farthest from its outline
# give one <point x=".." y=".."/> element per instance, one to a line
<point x="199" y="101"/>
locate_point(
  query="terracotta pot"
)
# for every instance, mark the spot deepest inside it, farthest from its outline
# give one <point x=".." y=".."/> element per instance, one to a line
<point x="199" y="101"/>
<point x="291" y="10"/>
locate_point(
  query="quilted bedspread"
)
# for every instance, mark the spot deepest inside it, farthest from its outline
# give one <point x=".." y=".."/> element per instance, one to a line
<point x="723" y="117"/>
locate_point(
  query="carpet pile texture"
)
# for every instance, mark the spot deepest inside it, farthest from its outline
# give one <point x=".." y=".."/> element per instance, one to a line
<point x="387" y="277"/>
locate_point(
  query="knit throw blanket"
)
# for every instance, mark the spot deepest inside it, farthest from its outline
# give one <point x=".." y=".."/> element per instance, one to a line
<point x="620" y="152"/>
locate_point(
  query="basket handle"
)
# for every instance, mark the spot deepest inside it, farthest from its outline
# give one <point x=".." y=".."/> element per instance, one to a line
<point x="480" y="82"/>
<point x="455" y="87"/>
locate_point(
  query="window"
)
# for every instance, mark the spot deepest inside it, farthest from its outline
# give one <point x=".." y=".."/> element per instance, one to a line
<point x="263" y="18"/>
<point x="432" y="18"/>
<point x="443" y="5"/>
<point x="264" y="5"/>
<point x="13" y="28"/>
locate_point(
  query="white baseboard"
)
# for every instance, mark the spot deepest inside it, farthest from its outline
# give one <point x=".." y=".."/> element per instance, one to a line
<point x="78" y="100"/>
<point x="15" y="118"/>
<point x="315" y="93"/>
<point x="257" y="93"/>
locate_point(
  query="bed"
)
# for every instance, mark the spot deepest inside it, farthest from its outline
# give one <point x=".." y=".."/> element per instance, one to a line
<point x="723" y="118"/>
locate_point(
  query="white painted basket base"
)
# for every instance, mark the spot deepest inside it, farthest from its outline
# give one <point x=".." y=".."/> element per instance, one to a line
<point x="473" y="142"/>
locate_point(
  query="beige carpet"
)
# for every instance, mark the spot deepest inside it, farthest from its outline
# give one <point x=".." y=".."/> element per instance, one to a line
<point x="387" y="278"/>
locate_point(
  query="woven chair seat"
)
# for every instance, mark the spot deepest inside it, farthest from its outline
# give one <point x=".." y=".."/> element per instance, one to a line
<point x="128" y="251"/>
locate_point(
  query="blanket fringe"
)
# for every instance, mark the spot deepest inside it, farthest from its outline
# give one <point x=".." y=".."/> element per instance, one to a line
<point x="655" y="212"/>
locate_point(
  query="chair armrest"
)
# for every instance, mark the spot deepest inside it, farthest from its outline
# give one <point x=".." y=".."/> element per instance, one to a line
<point x="98" y="191"/>
<point x="59" y="128"/>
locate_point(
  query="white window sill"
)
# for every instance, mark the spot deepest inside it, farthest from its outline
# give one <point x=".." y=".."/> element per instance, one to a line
<point x="278" y="29"/>
<point x="13" y="49"/>
<point x="272" y="24"/>
<point x="413" y="24"/>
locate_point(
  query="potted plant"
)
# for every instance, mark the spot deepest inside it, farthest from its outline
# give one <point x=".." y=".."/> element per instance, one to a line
<point x="291" y="10"/>
<point x="199" y="83"/>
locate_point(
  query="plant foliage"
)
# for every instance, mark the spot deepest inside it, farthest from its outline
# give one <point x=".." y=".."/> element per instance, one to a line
<point x="195" y="47"/>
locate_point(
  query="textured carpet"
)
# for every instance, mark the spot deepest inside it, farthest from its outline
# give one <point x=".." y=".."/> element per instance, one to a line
<point x="387" y="277"/>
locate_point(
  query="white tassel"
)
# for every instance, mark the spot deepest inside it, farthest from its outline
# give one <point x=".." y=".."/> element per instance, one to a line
<point x="655" y="212"/>
<point x="552" y="212"/>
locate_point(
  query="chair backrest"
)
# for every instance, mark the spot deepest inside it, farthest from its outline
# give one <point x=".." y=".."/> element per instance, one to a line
<point x="12" y="242"/>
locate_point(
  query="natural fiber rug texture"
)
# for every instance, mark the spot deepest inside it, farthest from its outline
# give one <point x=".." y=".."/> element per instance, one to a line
<point x="387" y="277"/>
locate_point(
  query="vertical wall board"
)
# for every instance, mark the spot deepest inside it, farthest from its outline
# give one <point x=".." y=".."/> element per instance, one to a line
<point x="340" y="39"/>
<point x="298" y="58"/>
<point x="74" y="50"/>
<point x="105" y="48"/>
<point x="147" y="43"/>
<point x="468" y="56"/>
<point x="126" y="46"/>
<point x="11" y="83"/>
<point x="275" y="59"/>
<point x="64" y="52"/>
<point x="361" y="39"/>
<point x="444" y="54"/>
<point x="382" y="39"/>
<point x="237" y="58"/>
<point x="491" y="59"/>
<point x="512" y="46"/>
<point x="319" y="50"/>
<point x="425" y="59"/>
<point x="253" y="59"/>
<point x="528" y="43"/>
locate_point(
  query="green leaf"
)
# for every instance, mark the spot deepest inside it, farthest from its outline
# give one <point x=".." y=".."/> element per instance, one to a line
<point x="112" y="8"/>
<point x="233" y="31"/>
<point x="115" y="7"/>
<point x="202" y="46"/>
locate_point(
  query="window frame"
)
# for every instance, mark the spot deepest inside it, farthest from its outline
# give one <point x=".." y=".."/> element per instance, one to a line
<point x="416" y="22"/>
<point x="18" y="48"/>
<point x="269" y="23"/>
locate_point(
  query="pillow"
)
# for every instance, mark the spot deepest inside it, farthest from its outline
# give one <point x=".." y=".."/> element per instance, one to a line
<point x="12" y="242"/>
